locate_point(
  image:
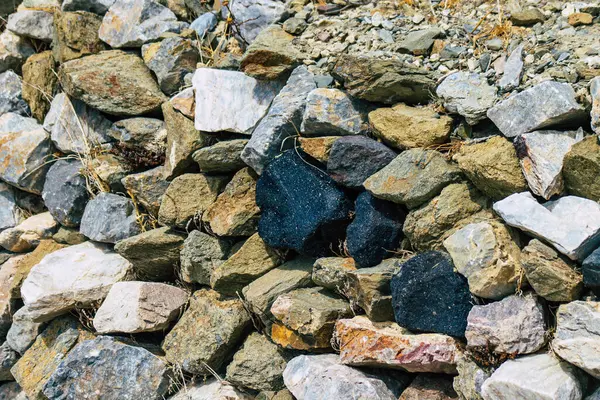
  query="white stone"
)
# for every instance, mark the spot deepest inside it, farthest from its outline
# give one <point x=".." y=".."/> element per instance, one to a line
<point x="74" y="276"/>
<point x="212" y="389"/>
<point x="27" y="234"/>
<point x="467" y="94"/>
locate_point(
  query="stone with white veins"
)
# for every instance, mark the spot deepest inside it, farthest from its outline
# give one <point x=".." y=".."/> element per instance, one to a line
<point x="50" y="289"/>
<point x="535" y="377"/>
<point x="571" y="224"/>
<point x="541" y="155"/>
<point x="11" y="98"/>
<point x="14" y="50"/>
<point x="9" y="210"/>
<point x="32" y="24"/>
<point x="513" y="70"/>
<point x="541" y="106"/>
<point x="27" y="234"/>
<point x="131" y="23"/>
<point x="134" y="307"/>
<point x="109" y="218"/>
<point x="282" y="120"/>
<point x="94" y="6"/>
<point x="231" y="101"/>
<point x="467" y="94"/>
<point x="333" y="112"/>
<point x="255" y="15"/>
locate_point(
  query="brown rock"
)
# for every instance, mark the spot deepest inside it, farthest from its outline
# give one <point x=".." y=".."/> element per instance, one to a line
<point x="332" y="272"/>
<point x="76" y="35"/>
<point x="581" y="18"/>
<point x="271" y="54"/>
<point x="582" y="168"/>
<point x="429" y="387"/>
<point x="527" y="17"/>
<point x="318" y="147"/>
<point x="39" y="83"/>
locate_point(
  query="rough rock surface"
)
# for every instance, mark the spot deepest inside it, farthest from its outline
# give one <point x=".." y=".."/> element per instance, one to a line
<point x="271" y="55"/>
<point x="369" y="288"/>
<point x="99" y="7"/>
<point x="201" y="254"/>
<point x="467" y="94"/>
<point x="27" y="234"/>
<point x="429" y="387"/>
<point x="39" y="82"/>
<point x="11" y="96"/>
<point x="212" y="389"/>
<point x="221" y="157"/>
<point x="10" y="215"/>
<point x="14" y="50"/>
<point x="581" y="167"/>
<point x="34" y="24"/>
<point x="141" y="134"/>
<point x="148" y="188"/>
<point x="333" y="112"/>
<point x="65" y="192"/>
<point x="76" y="34"/>
<point x="23" y="332"/>
<point x="591" y="270"/>
<point x="109" y="218"/>
<point x="258" y="14"/>
<point x="171" y="60"/>
<point x="470" y="379"/>
<point x="331" y="272"/>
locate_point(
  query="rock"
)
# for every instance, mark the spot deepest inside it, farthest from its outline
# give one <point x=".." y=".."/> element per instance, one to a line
<point x="218" y="91"/>
<point x="10" y="214"/>
<point x="410" y="352"/>
<point x="258" y="365"/>
<point x="332" y="111"/>
<point x="14" y="50"/>
<point x="185" y="102"/>
<point x="76" y="35"/>
<point x="527" y="16"/>
<point x="39" y="83"/>
<point x="111" y="169"/>
<point x="413" y="177"/>
<point x="148" y="188"/>
<point x="302" y="208"/>
<point x="581" y="168"/>
<point x="68" y="236"/>
<point x="595" y="112"/>
<point x="429" y="387"/>
<point x="22" y="332"/>
<point x="312" y="377"/>
<point x="271" y="55"/>
<point x="250" y="262"/>
<point x="153" y="254"/>
<point x="541" y="106"/>
<point x="369" y="288"/>
<point x="131" y="23"/>
<point x="305" y="318"/>
<point x="27" y="234"/>
<point x="141" y="134"/>
<point x="11" y="98"/>
<point x="405" y="127"/>
<point x="486" y="254"/>
<point x="104" y="360"/>
<point x="24" y="151"/>
<point x="171" y="60"/>
<point x="261" y="293"/>
<point x="469" y="380"/>
<point x="514" y="325"/>
<point x="541" y="155"/>
<point x="493" y="167"/>
<point x="345" y="160"/>
<point x="591" y="270"/>
<point x="204" y="23"/>
<point x="257" y="14"/>
<point x="32" y="24"/>
<point x="332" y="272"/>
<point x="114" y="82"/>
<point x="50" y="290"/>
<point x="94" y="6"/>
<point x="133" y="307"/>
<point x="109" y="218"/>
<point x="375" y="231"/>
<point x="281" y="121"/>
<point x="467" y="94"/>
<point x="513" y="70"/>
<point x="211" y="389"/>
<point x="539" y="376"/>
<point x="207" y="333"/>
<point x="427" y="295"/>
<point x="578" y="19"/>
<point x="570" y="224"/>
<point x="11" y="390"/>
<point x="295" y="26"/>
<point x="319" y="147"/>
<point x="201" y="254"/>
<point x="188" y="197"/>
<point x="419" y="42"/>
<point x="383" y="81"/>
<point x="65" y="192"/>
<point x="549" y="275"/>
<point x="221" y="157"/>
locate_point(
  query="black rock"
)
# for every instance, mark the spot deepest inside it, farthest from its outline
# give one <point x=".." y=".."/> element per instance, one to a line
<point x="376" y="229"/>
<point x="355" y="158"/>
<point x="65" y="192"/>
<point x="591" y="271"/>
<point x="302" y="207"/>
<point x="428" y="296"/>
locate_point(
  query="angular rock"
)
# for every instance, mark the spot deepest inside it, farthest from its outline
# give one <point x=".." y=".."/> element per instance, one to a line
<point x="257" y="14"/>
<point x="204" y="23"/>
<point x="32" y="24"/>
<point x="10" y="214"/>
<point x="68" y="236"/>
<point x="332" y="111"/>
<point x="419" y="42"/>
<point x="332" y="272"/>
<point x="141" y="134"/>
<point x="65" y="192"/>
<point x="201" y="254"/>
<point x="271" y="55"/>
<point x="541" y="155"/>
<point x="413" y="177"/>
<point x="11" y="97"/>
<point x="94" y="6"/>
<point x="211" y="389"/>
<point x="219" y="91"/>
<point x="318" y="147"/>
<point x="185" y="102"/>
<point x="581" y="168"/>
<point x="570" y="224"/>
<point x="14" y="50"/>
<point x="22" y="332"/>
<point x="12" y="390"/>
<point x="76" y="34"/>
<point x="208" y="331"/>
<point x="527" y="16"/>
<point x="114" y="82"/>
<point x="542" y="106"/>
<point x="27" y="234"/>
<point x="148" y="188"/>
<point x="469" y="380"/>
<point x="369" y="288"/>
<point x="383" y="81"/>
<point x="109" y="218"/>
<point x="302" y="208"/>
<point x="429" y="387"/>
<point x="131" y="23"/>
<point x="595" y="112"/>
<point x="39" y="83"/>
<point x="550" y="276"/>
<point x="513" y="70"/>
<point x="591" y="270"/>
<point x="111" y="169"/>
<point x="221" y="157"/>
<point x="104" y="361"/>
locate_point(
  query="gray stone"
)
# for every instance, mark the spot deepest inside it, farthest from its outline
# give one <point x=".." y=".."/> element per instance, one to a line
<point x="32" y="24"/>
<point x="8" y="358"/>
<point x="467" y="94"/>
<point x="103" y="362"/>
<point x="23" y="331"/>
<point x="109" y="218"/>
<point x="131" y="23"/>
<point x="14" y="50"/>
<point x="141" y="134"/>
<point x="571" y="224"/>
<point x="595" y="113"/>
<point x="147" y="188"/>
<point x="200" y="255"/>
<point x="282" y="121"/>
<point x="332" y="273"/>
<point x="419" y="42"/>
<point x="27" y="235"/>
<point x="11" y="98"/>
<point x="94" y="6"/>
<point x="221" y="157"/>
<point x="65" y="192"/>
<point x="256" y="15"/>
<point x="513" y="70"/>
<point x="211" y="389"/>
<point x="469" y="380"/>
<point x="369" y="288"/>
<point x="204" y="24"/>
<point x="295" y="26"/>
<point x="219" y="91"/>
<point x="12" y="391"/>
<point x="542" y="106"/>
<point x="10" y="215"/>
<point x="76" y="35"/>
<point x="333" y="112"/>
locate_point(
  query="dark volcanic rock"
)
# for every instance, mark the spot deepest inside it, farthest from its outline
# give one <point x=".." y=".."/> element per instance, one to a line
<point x="375" y="231"/>
<point x="428" y="296"/>
<point x="65" y="192"/>
<point x="302" y="208"/>
<point x="355" y="158"/>
<point x="591" y="271"/>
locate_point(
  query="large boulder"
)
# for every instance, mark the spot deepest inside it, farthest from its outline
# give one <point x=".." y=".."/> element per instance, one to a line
<point x="271" y="55"/>
<point x="147" y="188"/>
<point x="65" y="192"/>
<point x="369" y="288"/>
<point x="224" y="156"/>
<point x="141" y="135"/>
<point x="109" y="218"/>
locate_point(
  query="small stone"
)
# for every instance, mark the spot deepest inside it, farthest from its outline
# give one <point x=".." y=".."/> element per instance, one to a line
<point x="27" y="234"/>
<point x="591" y="270"/>
<point x="550" y="276"/>
<point x="32" y="24"/>
<point x="467" y="94"/>
<point x="332" y="272"/>
<point x="271" y="55"/>
<point x="200" y="255"/>
<point x="595" y="113"/>
<point x="147" y="188"/>
<point x="318" y="147"/>
<point x="39" y="83"/>
<point x="257" y="14"/>
<point x="153" y="254"/>
<point x="141" y="134"/>
<point x="527" y="17"/>
<point x="8" y="358"/>
<point x="413" y="177"/>
<point x="204" y="24"/>
<point x="578" y="19"/>
<point x="493" y="167"/>
<point x="419" y="42"/>
<point x="22" y="332"/>
<point x="429" y="387"/>
<point x="295" y="26"/>
<point x="541" y="106"/>
<point x="68" y="236"/>
<point x="469" y="380"/>
<point x="405" y="127"/>
<point x="185" y="102"/>
<point x="581" y="167"/>
<point x="111" y="169"/>
<point x="76" y="35"/>
<point x="11" y="98"/>
<point x="14" y="50"/>
<point x="10" y="215"/>
<point x="331" y="111"/>
<point x="222" y="157"/>
<point x="109" y="218"/>
<point x="65" y="192"/>
<point x="94" y="6"/>
<point x="211" y="389"/>
<point x="207" y="333"/>
<point x="513" y="70"/>
<point x="134" y="307"/>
